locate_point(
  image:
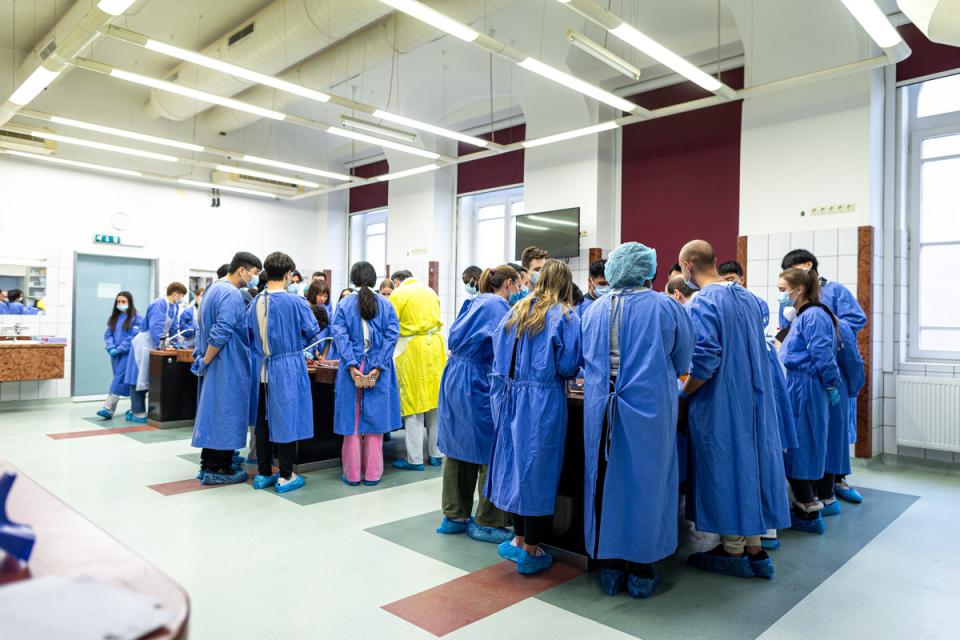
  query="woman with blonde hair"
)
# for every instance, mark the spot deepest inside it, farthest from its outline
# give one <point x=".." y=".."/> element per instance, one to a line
<point x="536" y="349"/>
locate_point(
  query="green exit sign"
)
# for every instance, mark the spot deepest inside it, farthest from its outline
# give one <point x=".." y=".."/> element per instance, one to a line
<point x="105" y="239"/>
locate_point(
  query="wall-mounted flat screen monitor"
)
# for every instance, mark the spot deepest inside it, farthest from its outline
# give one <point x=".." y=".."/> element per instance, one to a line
<point x="557" y="232"/>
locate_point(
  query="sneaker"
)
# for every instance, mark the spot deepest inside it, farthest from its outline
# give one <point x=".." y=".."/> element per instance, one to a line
<point x="529" y="564"/>
<point x="493" y="535"/>
<point x="406" y="466"/>
<point x="453" y="527"/>
<point x="294" y="483"/>
<point x="848" y="493"/>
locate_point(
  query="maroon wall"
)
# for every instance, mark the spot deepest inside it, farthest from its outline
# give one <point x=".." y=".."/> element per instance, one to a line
<point x="927" y="57"/>
<point x="496" y="171"/>
<point x="681" y="175"/>
<point x="369" y="196"/>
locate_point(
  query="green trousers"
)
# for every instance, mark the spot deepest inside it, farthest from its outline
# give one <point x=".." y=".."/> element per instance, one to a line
<point x="460" y="480"/>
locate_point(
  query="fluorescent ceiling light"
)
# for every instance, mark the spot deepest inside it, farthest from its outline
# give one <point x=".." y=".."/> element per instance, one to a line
<point x="603" y="54"/>
<point x="587" y="89"/>
<point x="234" y="70"/>
<point x="266" y="162"/>
<point x="133" y="135"/>
<point x="104" y="146"/>
<point x="357" y="123"/>
<point x="203" y="96"/>
<point x="433" y="18"/>
<point x="552" y="220"/>
<point x="532" y="226"/>
<point x="423" y="126"/>
<point x="569" y="135"/>
<point x="33" y="85"/>
<point x="664" y="56"/>
<point x="74" y="163"/>
<point x="210" y="185"/>
<point x="407" y="172"/>
<point x="874" y="22"/>
<point x="267" y="176"/>
<point x="114" y="7"/>
<point x="362" y="137"/>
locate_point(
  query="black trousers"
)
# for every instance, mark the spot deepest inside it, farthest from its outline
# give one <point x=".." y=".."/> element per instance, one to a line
<point x="533" y="529"/>
<point x="286" y="452"/>
<point x="216" y="460"/>
<point x="809" y="490"/>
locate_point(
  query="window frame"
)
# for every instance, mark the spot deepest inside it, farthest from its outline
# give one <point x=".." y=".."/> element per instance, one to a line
<point x="370" y="218"/>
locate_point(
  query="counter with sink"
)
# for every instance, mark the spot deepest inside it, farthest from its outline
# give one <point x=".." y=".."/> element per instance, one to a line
<point x="30" y="359"/>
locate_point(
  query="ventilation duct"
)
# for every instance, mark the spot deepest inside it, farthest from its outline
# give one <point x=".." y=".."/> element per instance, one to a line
<point x="939" y="20"/>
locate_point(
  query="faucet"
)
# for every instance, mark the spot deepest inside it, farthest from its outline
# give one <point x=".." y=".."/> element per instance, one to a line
<point x="18" y="329"/>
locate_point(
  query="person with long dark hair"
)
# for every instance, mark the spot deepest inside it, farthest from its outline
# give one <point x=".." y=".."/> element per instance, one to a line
<point x="367" y="399"/>
<point x="123" y="324"/>
<point x="318" y="297"/>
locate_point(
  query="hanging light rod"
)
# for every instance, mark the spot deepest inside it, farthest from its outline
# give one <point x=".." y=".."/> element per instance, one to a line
<point x="221" y="187"/>
<point x="406" y="172"/>
<point x="875" y="22"/>
<point x="103" y="146"/>
<point x="603" y="54"/>
<point x="373" y="127"/>
<point x="570" y="135"/>
<point x="73" y="163"/>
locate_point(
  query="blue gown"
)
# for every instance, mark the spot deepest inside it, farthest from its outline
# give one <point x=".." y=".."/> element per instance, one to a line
<point x="20" y="309"/>
<point x="223" y="392"/>
<point x="464" y="418"/>
<point x="530" y="413"/>
<point x="639" y="503"/>
<point x="380" y="406"/>
<point x="119" y="339"/>
<point x="159" y="311"/>
<point x="788" y="427"/>
<point x="738" y="485"/>
<point x="809" y="355"/>
<point x="188" y="326"/>
<point x="291" y="326"/>
<point x="845" y="306"/>
<point x="852" y="378"/>
<point x="4" y="309"/>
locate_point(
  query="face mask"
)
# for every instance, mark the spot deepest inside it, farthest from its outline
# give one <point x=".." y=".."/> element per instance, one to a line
<point x="790" y="314"/>
<point x="534" y="277"/>
<point x="254" y="280"/>
<point x="518" y="296"/>
<point x="601" y="290"/>
<point x="470" y="288"/>
<point x="688" y="280"/>
<point x="293" y="288"/>
<point x="784" y="299"/>
<point x="122" y="307"/>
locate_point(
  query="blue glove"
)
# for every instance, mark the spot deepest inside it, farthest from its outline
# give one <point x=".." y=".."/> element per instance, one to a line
<point x="198" y="367"/>
<point x="834" y="396"/>
<point x="309" y="356"/>
<point x="113" y="352"/>
<point x="680" y="391"/>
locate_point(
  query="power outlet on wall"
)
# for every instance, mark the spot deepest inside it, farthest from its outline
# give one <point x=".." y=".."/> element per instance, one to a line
<point x="832" y="209"/>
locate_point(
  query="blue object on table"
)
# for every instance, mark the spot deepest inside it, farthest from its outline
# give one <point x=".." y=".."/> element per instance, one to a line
<point x="15" y="539"/>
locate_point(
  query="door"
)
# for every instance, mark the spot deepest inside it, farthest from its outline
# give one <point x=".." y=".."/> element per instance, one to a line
<point x="97" y="281"/>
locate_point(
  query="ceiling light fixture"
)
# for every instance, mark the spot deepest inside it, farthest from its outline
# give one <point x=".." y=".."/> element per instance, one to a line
<point x="406" y="172"/>
<point x="429" y="128"/>
<point x="561" y="77"/>
<point x="73" y="163"/>
<point x="103" y="146"/>
<point x="210" y="185"/>
<point x="114" y="7"/>
<point x="30" y="88"/>
<point x="362" y="137"/>
<point x="569" y="135"/>
<point x="434" y="18"/>
<point x="357" y="123"/>
<point x="604" y="55"/>
<point x="266" y="176"/>
<point x="266" y="162"/>
<point x="874" y="22"/>
<point x="122" y="133"/>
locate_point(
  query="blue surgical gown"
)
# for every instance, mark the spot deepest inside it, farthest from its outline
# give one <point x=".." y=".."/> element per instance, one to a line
<point x="845" y="306"/>
<point x="20" y="309"/>
<point x="809" y="355"/>
<point x="291" y="326"/>
<point x="223" y="393"/>
<point x="379" y="407"/>
<point x="788" y="428"/>
<point x="738" y="487"/>
<point x="852" y="378"/>
<point x="187" y="327"/>
<point x="530" y="412"/>
<point x="119" y="339"/>
<point x="639" y="503"/>
<point x="159" y="313"/>
<point x="464" y="418"/>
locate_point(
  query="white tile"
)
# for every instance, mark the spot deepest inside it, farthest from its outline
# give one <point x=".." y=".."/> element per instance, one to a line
<point x="890" y="440"/>
<point x="778" y="246"/>
<point x="63" y="388"/>
<point x="912" y="368"/>
<point x="29" y="390"/>
<point x="828" y="268"/>
<point x="9" y="391"/>
<point x="48" y="389"/>
<point x="889" y="385"/>
<point x="889" y="411"/>
<point x="758" y="247"/>
<point x="757" y="273"/>
<point x="877" y="447"/>
<point x="801" y="240"/>
<point x="846" y="269"/>
<point x="773" y="272"/>
<point x="939" y="370"/>
<point x="824" y="243"/>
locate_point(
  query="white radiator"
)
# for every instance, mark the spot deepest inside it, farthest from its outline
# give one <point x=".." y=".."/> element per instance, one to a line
<point x="928" y="413"/>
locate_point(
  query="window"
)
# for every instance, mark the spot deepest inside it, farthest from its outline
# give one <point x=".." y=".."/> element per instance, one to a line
<point x="368" y="239"/>
<point x="933" y="217"/>
<point x="486" y="230"/>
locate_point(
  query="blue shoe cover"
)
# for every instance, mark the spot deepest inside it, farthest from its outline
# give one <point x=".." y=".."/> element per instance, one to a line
<point x="612" y="581"/>
<point x="406" y="466"/>
<point x="508" y="551"/>
<point x="223" y="478"/>
<point x="137" y="420"/>
<point x="251" y="461"/>
<point x="769" y="544"/>
<point x="493" y="535"/>
<point x="762" y="568"/>
<point x="528" y="565"/>
<point x="832" y="509"/>
<point x="451" y="527"/>
<point x="128" y="416"/>
<point x="725" y="566"/>
<point x="807" y="526"/>
<point x="344" y="480"/>
<point x="848" y="493"/>
<point x="106" y="415"/>
<point x="371" y="483"/>
<point x="639" y="587"/>
<point x="200" y="474"/>
<point x="434" y="462"/>
<point x="262" y="482"/>
<point x="237" y="458"/>
<point x="293" y="485"/>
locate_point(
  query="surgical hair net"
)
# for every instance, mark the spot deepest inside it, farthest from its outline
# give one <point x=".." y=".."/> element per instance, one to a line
<point x="631" y="264"/>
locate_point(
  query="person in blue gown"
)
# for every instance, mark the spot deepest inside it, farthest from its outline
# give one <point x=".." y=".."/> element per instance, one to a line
<point x="597" y="285"/>
<point x="188" y="323"/>
<point x="366" y="397"/>
<point x="222" y="361"/>
<point x="536" y="350"/>
<point x="809" y="354"/>
<point x="636" y="343"/>
<point x="16" y="306"/>
<point x="738" y="489"/>
<point x="123" y="324"/>
<point x="852" y="378"/>
<point x="464" y="416"/>
<point x="471" y="284"/>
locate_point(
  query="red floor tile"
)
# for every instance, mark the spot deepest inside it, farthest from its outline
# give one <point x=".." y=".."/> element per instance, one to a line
<point x="455" y="604"/>
<point x="99" y="432"/>
<point x="183" y="486"/>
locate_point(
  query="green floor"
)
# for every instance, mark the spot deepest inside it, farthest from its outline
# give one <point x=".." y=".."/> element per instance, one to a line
<point x="146" y="437"/>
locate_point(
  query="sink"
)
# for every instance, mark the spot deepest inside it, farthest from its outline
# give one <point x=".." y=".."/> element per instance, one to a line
<point x="18" y="343"/>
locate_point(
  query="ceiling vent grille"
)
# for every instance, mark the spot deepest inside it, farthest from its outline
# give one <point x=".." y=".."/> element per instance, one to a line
<point x="48" y="50"/>
<point x="26" y="142"/>
<point x="240" y="35"/>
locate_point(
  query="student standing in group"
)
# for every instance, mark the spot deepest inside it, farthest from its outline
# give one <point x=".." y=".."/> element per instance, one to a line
<point x="281" y="325"/>
<point x="188" y="323"/>
<point x="597" y="285"/>
<point x="222" y="361"/>
<point x="161" y="321"/>
<point x="419" y="357"/>
<point x="809" y="353"/>
<point x="318" y="297"/>
<point x="465" y="419"/>
<point x="471" y="284"/>
<point x="533" y="259"/>
<point x="385" y="288"/>
<point x="123" y="324"/>
<point x="731" y="271"/>
<point x="738" y="489"/>
<point x="636" y="343"/>
<point x="366" y="400"/>
<point x="536" y="349"/>
<point x="678" y="289"/>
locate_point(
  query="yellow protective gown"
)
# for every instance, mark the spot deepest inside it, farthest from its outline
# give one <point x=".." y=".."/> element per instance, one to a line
<point x="421" y="353"/>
